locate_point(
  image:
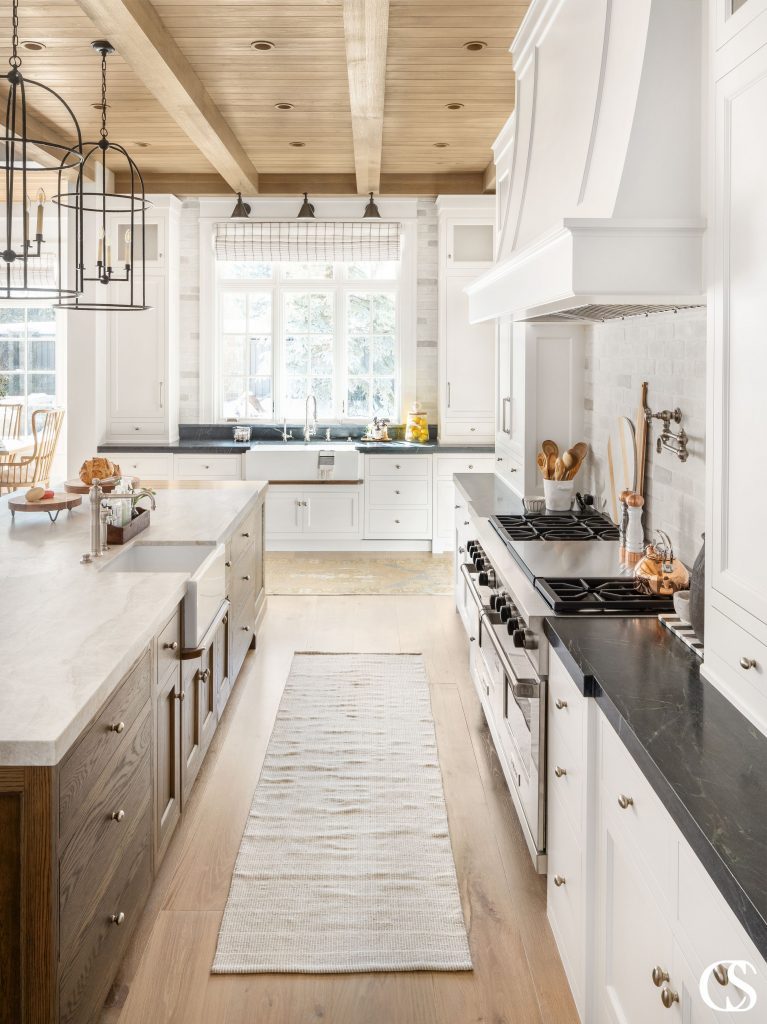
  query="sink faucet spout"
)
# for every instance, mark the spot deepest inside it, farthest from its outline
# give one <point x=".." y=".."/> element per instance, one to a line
<point x="310" y="423"/>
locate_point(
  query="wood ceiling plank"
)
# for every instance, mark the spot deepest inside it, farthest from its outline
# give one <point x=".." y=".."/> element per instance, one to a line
<point x="366" y="30"/>
<point x="143" y="41"/>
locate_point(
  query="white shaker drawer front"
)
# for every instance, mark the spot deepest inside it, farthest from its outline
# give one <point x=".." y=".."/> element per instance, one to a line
<point x="399" y="465"/>
<point x="740" y="659"/>
<point x="144" y="465"/>
<point x="567" y="778"/>
<point x="567" y="706"/>
<point x="398" y="492"/>
<point x="137" y="428"/>
<point x="208" y="467"/>
<point x="634" y="808"/>
<point x="565" y="893"/>
<point x="447" y="465"/>
<point x="470" y="431"/>
<point x="406" y="523"/>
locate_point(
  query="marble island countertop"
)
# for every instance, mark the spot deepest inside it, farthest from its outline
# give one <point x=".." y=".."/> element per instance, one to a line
<point x="70" y="632"/>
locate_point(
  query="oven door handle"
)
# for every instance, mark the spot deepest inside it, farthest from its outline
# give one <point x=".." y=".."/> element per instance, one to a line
<point x="467" y="575"/>
<point x="522" y="688"/>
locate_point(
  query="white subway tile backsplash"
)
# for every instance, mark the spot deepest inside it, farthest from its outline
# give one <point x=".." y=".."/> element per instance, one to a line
<point x="669" y="352"/>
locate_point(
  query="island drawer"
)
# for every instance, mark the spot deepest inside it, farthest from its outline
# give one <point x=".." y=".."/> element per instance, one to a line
<point x="85" y="980"/>
<point x="242" y="622"/>
<point x="243" y="583"/>
<point x="399" y="465"/>
<point x="83" y="765"/>
<point x="96" y="850"/>
<point x="245" y="535"/>
<point x="169" y="647"/>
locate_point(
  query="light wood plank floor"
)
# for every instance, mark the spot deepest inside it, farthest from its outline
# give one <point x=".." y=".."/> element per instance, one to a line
<point x="517" y="977"/>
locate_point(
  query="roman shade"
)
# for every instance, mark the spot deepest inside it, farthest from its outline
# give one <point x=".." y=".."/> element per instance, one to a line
<point x="294" y="241"/>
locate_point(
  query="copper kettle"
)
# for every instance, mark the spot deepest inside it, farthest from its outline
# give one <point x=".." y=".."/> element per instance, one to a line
<point x="659" y="571"/>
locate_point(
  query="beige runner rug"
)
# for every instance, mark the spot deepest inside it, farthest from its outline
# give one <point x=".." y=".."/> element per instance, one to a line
<point x="345" y="862"/>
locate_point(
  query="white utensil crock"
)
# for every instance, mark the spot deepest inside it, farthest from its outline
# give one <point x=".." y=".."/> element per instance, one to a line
<point x="559" y="495"/>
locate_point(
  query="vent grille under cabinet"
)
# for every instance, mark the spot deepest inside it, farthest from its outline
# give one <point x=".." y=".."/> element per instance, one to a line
<point x="600" y="314"/>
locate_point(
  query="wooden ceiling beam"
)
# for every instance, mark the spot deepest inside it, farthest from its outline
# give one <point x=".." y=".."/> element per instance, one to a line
<point x="316" y="184"/>
<point x="136" y="31"/>
<point x="366" y="33"/>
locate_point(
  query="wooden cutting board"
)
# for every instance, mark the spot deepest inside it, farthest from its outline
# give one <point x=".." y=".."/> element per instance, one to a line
<point x="58" y="503"/>
<point x="621" y="462"/>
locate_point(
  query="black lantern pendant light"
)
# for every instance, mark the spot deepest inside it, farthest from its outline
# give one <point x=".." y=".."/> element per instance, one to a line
<point x="115" y="280"/>
<point x="371" y="210"/>
<point x="241" y="210"/>
<point x="307" y="208"/>
<point x="30" y="268"/>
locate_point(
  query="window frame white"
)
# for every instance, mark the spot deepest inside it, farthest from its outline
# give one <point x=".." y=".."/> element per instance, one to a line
<point x="211" y="391"/>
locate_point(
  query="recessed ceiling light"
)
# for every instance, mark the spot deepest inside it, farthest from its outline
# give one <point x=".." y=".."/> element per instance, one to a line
<point x="454" y="106"/>
<point x="262" y="44"/>
<point x="441" y="145"/>
<point x="31" y="44"/>
<point x="298" y="145"/>
<point x="284" y="106"/>
<point x="474" y="44"/>
<point x="100" y="106"/>
<point x="140" y="145"/>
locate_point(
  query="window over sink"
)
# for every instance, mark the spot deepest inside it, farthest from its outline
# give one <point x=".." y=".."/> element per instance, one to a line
<point x="287" y="330"/>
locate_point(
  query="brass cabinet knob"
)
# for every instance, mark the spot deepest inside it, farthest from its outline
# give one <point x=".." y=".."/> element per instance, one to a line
<point x="659" y="976"/>
<point x="466" y="522"/>
<point x="668" y="998"/>
<point x="228" y="565"/>
<point x="246" y="535"/>
<point x="117" y="727"/>
<point x="396" y="466"/>
<point x="180" y="696"/>
<point x="117" y="918"/>
<point x="721" y="974"/>
<point x="396" y="491"/>
<point x="118" y="815"/>
<point x="559" y="880"/>
<point x="471" y="467"/>
<point x="560" y="705"/>
<point x="171" y="646"/>
<point x="245" y="629"/>
<point x="559" y="772"/>
<point x="246" y="577"/>
<point x="625" y="802"/>
<point x="747" y="663"/>
<point x="472" y="639"/>
<point x="204" y="675"/>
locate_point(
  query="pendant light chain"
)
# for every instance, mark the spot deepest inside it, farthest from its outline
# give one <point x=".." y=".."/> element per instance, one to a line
<point x="14" y="60"/>
<point x="104" y="131"/>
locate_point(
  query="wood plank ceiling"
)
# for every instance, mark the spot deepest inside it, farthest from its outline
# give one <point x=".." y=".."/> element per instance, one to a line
<point x="197" y="105"/>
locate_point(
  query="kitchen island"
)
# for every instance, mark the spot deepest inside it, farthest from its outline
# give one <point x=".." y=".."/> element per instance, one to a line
<point x="104" y="730"/>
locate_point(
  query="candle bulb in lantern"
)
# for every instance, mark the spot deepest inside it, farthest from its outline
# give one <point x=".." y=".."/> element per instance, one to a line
<point x="128" y="237"/>
<point x="40" y="204"/>
<point x="109" y="255"/>
<point x="27" y="204"/>
<point x="100" y="258"/>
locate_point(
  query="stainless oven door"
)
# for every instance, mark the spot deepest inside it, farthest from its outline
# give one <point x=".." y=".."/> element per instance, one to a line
<point x="522" y="734"/>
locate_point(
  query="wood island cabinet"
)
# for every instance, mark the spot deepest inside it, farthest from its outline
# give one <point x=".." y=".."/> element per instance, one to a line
<point x="81" y="841"/>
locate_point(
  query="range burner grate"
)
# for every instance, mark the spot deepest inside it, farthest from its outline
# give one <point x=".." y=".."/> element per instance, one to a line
<point x="556" y="526"/>
<point x="601" y="594"/>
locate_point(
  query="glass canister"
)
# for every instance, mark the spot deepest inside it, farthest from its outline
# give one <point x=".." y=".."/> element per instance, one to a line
<point x="417" y="429"/>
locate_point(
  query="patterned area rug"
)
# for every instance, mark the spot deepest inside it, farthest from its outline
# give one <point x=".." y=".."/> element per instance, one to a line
<point x="358" y="572"/>
<point x="345" y="863"/>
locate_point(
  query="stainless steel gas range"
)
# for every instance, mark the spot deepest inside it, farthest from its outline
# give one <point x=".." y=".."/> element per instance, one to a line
<point x="514" y="573"/>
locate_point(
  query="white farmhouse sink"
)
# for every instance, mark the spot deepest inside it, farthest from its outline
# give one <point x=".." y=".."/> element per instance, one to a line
<point x="205" y="589"/>
<point x="294" y="460"/>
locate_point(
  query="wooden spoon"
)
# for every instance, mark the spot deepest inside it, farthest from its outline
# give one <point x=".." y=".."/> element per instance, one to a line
<point x="550" y="448"/>
<point x="570" y="460"/>
<point x="580" y="450"/>
<point x="543" y="465"/>
<point x="559" y="470"/>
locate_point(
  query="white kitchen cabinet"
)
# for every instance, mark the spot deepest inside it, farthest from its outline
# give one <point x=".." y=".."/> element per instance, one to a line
<point x="736" y="567"/>
<point x="398" y="497"/>
<point x="466" y="351"/>
<point x="142" y="346"/>
<point x="324" y="512"/>
<point x="207" y="467"/>
<point x="539" y="395"/>
<point x="444" y="466"/>
<point x="147" y="466"/>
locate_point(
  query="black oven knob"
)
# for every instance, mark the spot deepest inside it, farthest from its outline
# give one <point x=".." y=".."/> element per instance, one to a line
<point x="512" y="625"/>
<point x="500" y="602"/>
<point x="518" y="637"/>
<point x="493" y="602"/>
<point x="505" y="613"/>
<point x="484" y="579"/>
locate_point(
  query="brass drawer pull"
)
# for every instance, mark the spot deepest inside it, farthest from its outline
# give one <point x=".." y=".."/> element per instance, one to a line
<point x="245" y="629"/>
<point x="246" y="577"/>
<point x="118" y="815"/>
<point x="396" y="491"/>
<point x="173" y="646"/>
<point x="117" y="918"/>
<point x="204" y="675"/>
<point x="228" y="565"/>
<point x="624" y="802"/>
<point x="559" y="772"/>
<point x="560" y="705"/>
<point x="721" y="974"/>
<point x="246" y="535"/>
<point x="659" y="976"/>
<point x="180" y="696"/>
<point x="668" y="998"/>
<point x="117" y="727"/>
<point x="747" y="663"/>
<point x="559" y="880"/>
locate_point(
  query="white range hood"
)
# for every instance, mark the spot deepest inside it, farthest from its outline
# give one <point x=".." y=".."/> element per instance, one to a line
<point x="598" y="171"/>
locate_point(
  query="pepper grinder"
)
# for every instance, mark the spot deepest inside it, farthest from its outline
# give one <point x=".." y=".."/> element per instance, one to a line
<point x="635" y="531"/>
<point x="623" y="519"/>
